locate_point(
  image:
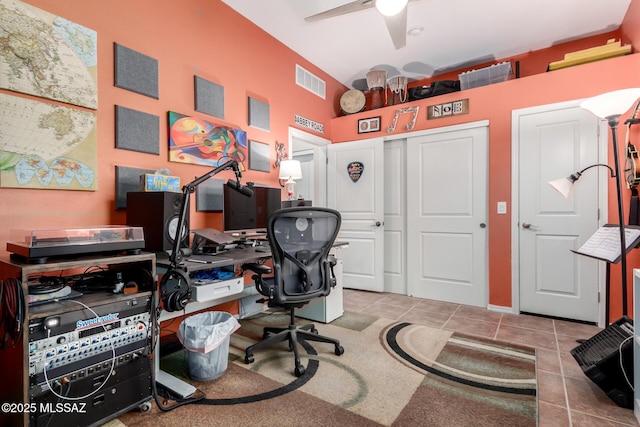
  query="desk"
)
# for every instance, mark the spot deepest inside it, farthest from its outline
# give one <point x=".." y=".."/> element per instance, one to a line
<point x="231" y="257"/>
<point x="327" y="307"/>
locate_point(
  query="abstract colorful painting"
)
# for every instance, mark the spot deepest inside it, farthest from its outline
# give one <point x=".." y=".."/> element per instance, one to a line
<point x="200" y="142"/>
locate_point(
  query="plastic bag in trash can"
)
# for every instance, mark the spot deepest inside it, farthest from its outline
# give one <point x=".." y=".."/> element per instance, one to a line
<point x="206" y="337"/>
<point x="204" y="332"/>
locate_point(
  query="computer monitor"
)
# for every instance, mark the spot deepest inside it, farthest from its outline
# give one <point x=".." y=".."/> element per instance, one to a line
<point x="242" y="213"/>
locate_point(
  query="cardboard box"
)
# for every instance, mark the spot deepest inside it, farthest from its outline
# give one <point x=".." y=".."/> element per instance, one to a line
<point x="153" y="182"/>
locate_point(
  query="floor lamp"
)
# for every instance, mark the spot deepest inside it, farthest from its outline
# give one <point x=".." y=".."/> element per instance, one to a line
<point x="610" y="106"/>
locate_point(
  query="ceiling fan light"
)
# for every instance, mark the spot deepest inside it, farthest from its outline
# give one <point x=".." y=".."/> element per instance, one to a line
<point x="390" y="7"/>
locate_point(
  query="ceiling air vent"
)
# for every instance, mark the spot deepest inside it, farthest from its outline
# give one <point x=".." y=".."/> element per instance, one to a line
<point x="310" y="82"/>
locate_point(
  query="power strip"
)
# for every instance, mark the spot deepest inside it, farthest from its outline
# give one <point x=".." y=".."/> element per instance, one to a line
<point x="175" y="385"/>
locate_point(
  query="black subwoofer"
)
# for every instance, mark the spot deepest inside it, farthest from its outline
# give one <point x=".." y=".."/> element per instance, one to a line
<point x="607" y="359"/>
<point x="157" y="213"/>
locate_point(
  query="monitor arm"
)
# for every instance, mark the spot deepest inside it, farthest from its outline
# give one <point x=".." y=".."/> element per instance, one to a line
<point x="176" y="256"/>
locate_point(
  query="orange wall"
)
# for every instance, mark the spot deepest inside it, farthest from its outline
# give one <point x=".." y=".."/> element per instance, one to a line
<point x="496" y="103"/>
<point x="206" y="38"/>
<point x="190" y="37"/>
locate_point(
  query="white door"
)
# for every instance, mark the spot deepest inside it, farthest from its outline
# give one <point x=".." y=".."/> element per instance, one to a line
<point x="361" y="204"/>
<point x="395" y="189"/>
<point x="305" y="185"/>
<point x="553" y="144"/>
<point x="314" y="169"/>
<point x="447" y="215"/>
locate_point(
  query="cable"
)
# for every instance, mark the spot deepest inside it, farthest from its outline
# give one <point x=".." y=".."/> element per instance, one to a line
<point x="113" y="359"/>
<point x="12" y="311"/>
<point x="179" y="402"/>
<point x="622" y="365"/>
<point x="59" y="400"/>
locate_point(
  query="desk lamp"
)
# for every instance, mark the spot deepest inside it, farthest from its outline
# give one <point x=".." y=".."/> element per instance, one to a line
<point x="290" y="170"/>
<point x="610" y="106"/>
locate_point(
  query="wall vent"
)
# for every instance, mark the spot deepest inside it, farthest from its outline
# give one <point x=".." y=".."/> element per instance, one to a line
<point x="310" y="82"/>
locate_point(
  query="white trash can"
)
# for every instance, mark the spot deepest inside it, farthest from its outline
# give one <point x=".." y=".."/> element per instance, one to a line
<point x="206" y="337"/>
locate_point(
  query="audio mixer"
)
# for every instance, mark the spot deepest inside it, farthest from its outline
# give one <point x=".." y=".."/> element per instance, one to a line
<point x="94" y="354"/>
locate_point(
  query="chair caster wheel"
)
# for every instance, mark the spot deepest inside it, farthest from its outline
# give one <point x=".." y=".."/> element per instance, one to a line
<point x="145" y="406"/>
<point x="299" y="371"/>
<point x="314" y="331"/>
<point x="339" y="350"/>
<point x="249" y="359"/>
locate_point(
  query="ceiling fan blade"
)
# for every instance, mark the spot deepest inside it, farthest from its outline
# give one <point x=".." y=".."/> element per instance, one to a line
<point x="397" y="26"/>
<point x="354" y="6"/>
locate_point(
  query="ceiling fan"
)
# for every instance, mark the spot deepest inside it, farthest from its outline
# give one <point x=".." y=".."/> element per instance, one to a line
<point x="393" y="11"/>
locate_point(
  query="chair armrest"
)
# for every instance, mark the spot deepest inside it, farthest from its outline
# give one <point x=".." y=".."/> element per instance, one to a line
<point x="332" y="261"/>
<point x="260" y="269"/>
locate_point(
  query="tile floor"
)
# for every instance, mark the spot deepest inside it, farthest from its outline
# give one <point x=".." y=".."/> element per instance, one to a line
<point x="566" y="396"/>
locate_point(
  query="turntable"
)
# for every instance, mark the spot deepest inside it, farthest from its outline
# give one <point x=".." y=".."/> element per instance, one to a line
<point x="36" y="246"/>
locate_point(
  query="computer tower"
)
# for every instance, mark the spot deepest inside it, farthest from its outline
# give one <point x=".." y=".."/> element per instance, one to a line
<point x="607" y="359"/>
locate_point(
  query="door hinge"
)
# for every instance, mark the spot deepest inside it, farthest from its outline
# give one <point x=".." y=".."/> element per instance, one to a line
<point x="598" y="214"/>
<point x="598" y="297"/>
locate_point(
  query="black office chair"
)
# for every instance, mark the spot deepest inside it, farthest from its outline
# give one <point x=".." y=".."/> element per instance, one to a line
<point x="300" y="239"/>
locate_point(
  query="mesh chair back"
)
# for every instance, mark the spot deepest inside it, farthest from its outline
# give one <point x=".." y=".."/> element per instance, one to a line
<point x="300" y="239"/>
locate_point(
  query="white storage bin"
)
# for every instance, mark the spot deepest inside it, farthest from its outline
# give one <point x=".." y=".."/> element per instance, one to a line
<point x="485" y="76"/>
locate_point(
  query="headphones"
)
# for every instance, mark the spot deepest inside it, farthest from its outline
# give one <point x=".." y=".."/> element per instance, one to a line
<point x="175" y="288"/>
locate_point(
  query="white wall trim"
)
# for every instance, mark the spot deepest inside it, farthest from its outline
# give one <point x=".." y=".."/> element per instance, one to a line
<point x="307" y="137"/>
<point x="500" y="309"/>
<point x="441" y="129"/>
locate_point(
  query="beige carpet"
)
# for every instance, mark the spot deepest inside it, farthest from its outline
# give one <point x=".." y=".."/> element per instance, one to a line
<point x="391" y="374"/>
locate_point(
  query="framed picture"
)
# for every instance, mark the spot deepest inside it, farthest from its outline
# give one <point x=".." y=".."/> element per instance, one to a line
<point x="369" y="125"/>
<point x="259" y="156"/>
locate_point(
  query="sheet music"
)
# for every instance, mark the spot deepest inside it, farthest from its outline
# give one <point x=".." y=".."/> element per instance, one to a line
<point x="605" y="243"/>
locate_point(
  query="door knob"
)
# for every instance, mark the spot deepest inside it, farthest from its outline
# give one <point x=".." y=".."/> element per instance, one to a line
<point x="378" y="224"/>
<point x="527" y="225"/>
<point x="483" y="225"/>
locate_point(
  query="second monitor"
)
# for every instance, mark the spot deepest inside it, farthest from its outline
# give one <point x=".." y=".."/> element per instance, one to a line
<point x="242" y="213"/>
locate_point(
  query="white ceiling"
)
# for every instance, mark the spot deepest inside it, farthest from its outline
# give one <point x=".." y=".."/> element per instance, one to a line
<point x="457" y="33"/>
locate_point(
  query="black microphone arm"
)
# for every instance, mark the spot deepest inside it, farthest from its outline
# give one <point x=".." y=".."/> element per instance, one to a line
<point x="175" y="257"/>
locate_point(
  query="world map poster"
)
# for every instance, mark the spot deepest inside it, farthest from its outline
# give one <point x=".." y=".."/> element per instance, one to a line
<point x="47" y="56"/>
<point x="43" y="145"/>
<point x="46" y="146"/>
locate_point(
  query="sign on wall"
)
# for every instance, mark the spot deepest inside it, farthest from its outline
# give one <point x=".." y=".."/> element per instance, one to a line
<point x="447" y="109"/>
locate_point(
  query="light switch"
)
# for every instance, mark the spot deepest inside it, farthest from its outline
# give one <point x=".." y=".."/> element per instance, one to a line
<point x="502" y="208"/>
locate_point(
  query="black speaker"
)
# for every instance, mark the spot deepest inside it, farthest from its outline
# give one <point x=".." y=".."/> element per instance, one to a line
<point x="607" y="359"/>
<point x="157" y="213"/>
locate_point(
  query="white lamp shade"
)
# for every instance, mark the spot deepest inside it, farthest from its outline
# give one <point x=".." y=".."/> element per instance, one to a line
<point x="562" y="186"/>
<point x="611" y="103"/>
<point x="390" y="7"/>
<point x="290" y="169"/>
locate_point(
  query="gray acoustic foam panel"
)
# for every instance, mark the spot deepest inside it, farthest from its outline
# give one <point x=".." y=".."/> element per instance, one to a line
<point x="137" y="131"/>
<point x="209" y="97"/>
<point x="259" y="114"/>
<point x="127" y="179"/>
<point x="135" y="71"/>
<point x="259" y="156"/>
<point x="210" y="196"/>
